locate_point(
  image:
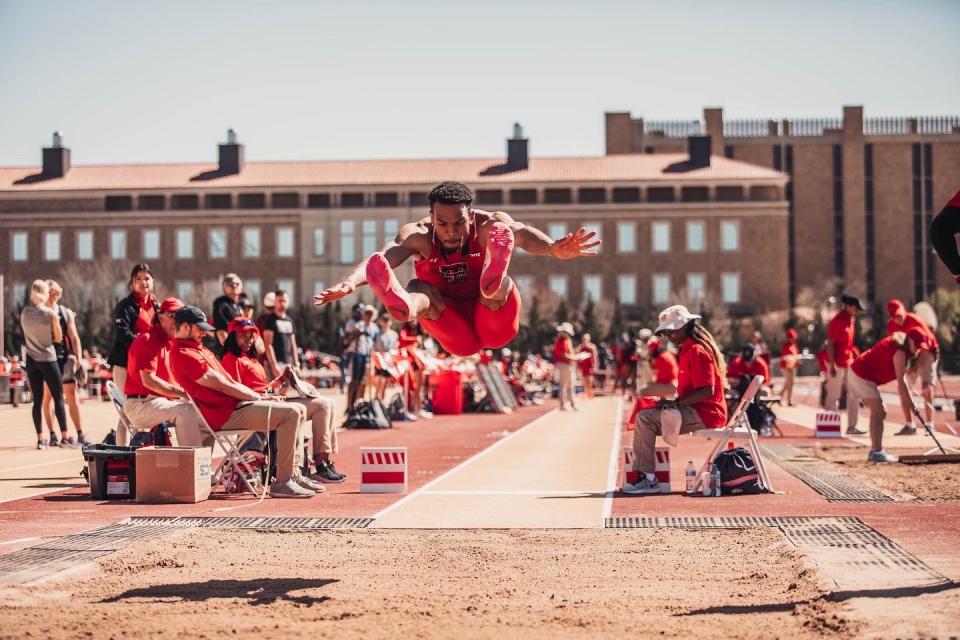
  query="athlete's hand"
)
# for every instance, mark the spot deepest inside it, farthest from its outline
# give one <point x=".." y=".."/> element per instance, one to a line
<point x="575" y="245"/>
<point x="335" y="292"/>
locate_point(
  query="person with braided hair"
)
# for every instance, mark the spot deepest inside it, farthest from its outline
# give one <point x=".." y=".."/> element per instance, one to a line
<point x="701" y="380"/>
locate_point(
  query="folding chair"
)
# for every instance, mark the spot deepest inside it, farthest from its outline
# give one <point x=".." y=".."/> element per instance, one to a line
<point x="737" y="428"/>
<point x="113" y="391"/>
<point x="230" y="442"/>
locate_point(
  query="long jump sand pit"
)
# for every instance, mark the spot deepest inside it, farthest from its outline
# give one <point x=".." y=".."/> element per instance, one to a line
<point x="927" y="482"/>
<point x="637" y="583"/>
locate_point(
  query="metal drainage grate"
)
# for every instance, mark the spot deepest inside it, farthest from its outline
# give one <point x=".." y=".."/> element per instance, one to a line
<point x="823" y="477"/>
<point x="692" y="522"/>
<point x="254" y="523"/>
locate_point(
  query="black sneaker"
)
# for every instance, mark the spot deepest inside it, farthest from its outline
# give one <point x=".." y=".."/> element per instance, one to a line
<point x="325" y="473"/>
<point x="332" y="468"/>
<point x="82" y="439"/>
<point x="53" y="440"/>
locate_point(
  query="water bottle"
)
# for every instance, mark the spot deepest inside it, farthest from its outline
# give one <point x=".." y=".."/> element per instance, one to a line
<point x="691" y="477"/>
<point x="715" y="480"/>
<point x="705" y="484"/>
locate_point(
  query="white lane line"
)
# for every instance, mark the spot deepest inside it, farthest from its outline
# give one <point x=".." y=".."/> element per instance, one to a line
<point x="16" y="540"/>
<point x="584" y="492"/>
<point x="614" y="461"/>
<point x="39" y="464"/>
<point x="42" y="493"/>
<point x="460" y="466"/>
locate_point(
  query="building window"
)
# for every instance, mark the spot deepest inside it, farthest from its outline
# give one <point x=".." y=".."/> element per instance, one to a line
<point x="523" y="196"/>
<point x="660" y="194"/>
<point x="732" y="193"/>
<point x="419" y="199"/>
<point x="152" y="203"/>
<point x="484" y="196"/>
<point x="187" y="202"/>
<point x="285" y="242"/>
<point x="592" y="195"/>
<point x="51" y="245"/>
<point x="285" y="200"/>
<point x="251" y="242"/>
<point x="19" y="294"/>
<point x="596" y="228"/>
<point x="627" y="289"/>
<point x="696" y="237"/>
<point x="286" y="284"/>
<point x="660" y="237"/>
<point x="626" y="237"/>
<point x="18" y="246"/>
<point x="557" y="196"/>
<point x="151" y="244"/>
<point x="218" y="243"/>
<point x="84" y="245"/>
<point x="729" y="235"/>
<point x="368" y="242"/>
<point x="391" y="227"/>
<point x="185" y="244"/>
<point x="252" y="201"/>
<point x="558" y="285"/>
<point x="592" y="288"/>
<point x="730" y="287"/>
<point x="218" y="201"/>
<point x="661" y="288"/>
<point x="524" y="285"/>
<point x="318" y="287"/>
<point x="318" y="201"/>
<point x="121" y="290"/>
<point x="386" y="199"/>
<point x="351" y="200"/>
<point x="319" y="242"/>
<point x="626" y="194"/>
<point x="696" y="287"/>
<point x="557" y="230"/>
<point x="253" y="289"/>
<point x="185" y="290"/>
<point x="694" y="194"/>
<point x="118" y="245"/>
<point x="118" y="203"/>
<point x="346" y="241"/>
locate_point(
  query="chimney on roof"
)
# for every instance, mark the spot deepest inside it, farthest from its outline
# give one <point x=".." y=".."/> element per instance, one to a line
<point x="699" y="149"/>
<point x="517" y="150"/>
<point x="56" y="158"/>
<point x="231" y="155"/>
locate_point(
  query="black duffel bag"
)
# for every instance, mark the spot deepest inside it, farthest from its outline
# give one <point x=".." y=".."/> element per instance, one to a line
<point x="738" y="473"/>
<point x="368" y="415"/>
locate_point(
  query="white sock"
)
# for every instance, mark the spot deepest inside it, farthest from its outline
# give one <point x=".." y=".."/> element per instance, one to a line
<point x="651" y="476"/>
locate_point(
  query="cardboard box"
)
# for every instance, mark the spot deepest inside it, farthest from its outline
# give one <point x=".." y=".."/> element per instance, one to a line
<point x="173" y="474"/>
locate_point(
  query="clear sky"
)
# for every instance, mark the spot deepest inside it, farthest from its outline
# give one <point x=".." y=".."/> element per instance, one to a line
<point x="135" y="81"/>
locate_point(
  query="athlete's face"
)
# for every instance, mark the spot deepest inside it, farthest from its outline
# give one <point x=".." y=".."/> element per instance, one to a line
<point x="451" y="224"/>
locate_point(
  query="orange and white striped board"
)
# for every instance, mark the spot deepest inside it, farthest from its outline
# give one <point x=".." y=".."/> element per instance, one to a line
<point x="383" y="470"/>
<point x="828" y="424"/>
<point x="661" y="470"/>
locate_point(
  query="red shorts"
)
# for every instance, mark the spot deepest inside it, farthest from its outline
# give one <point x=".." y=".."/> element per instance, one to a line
<point x="466" y="326"/>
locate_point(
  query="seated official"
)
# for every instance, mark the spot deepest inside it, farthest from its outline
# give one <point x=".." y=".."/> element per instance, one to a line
<point x="748" y="365"/>
<point x="240" y="361"/>
<point x="226" y="404"/>
<point x="152" y="394"/>
<point x="701" y="379"/>
<point x="662" y="375"/>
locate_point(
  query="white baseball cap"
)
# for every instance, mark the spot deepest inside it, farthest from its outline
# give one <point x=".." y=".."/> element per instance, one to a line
<point x="270" y="300"/>
<point x="675" y="317"/>
<point x="565" y="327"/>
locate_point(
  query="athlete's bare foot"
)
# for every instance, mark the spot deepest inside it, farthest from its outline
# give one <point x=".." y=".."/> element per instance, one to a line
<point x="499" y="251"/>
<point x="384" y="283"/>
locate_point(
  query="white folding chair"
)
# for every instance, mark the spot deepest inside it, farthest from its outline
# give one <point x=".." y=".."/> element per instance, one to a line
<point x="230" y="442"/>
<point x="737" y="428"/>
<point x="118" y="401"/>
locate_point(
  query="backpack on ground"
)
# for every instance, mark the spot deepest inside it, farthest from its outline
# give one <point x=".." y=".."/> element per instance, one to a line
<point x="395" y="408"/>
<point x="158" y="436"/>
<point x="368" y="415"/>
<point x="738" y="473"/>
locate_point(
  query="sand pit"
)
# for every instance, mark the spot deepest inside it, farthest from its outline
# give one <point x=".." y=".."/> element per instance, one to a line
<point x="439" y="584"/>
<point x="931" y="482"/>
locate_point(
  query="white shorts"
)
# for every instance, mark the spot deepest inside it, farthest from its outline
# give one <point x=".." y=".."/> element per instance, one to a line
<point x="863" y="389"/>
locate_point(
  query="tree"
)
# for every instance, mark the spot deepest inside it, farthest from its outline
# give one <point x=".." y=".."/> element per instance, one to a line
<point x="589" y="321"/>
<point x="616" y="323"/>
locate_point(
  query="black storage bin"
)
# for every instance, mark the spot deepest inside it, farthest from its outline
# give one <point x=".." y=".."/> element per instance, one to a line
<point x="112" y="471"/>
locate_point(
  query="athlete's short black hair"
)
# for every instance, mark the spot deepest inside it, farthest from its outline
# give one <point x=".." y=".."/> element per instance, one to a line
<point x="451" y="193"/>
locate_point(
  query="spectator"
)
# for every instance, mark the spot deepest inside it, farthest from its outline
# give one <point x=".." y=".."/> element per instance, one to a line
<point x="840" y="353"/>
<point x="246" y="306"/>
<point x="588" y="365"/>
<point x="279" y="337"/>
<point x="227" y="307"/>
<point x="700" y="384"/>
<point x="759" y="346"/>
<point x="365" y="331"/>
<point x="926" y="365"/>
<point x="348" y="341"/>
<point x="563" y="359"/>
<point x="240" y="361"/>
<point x="387" y="343"/>
<point x="153" y="396"/>
<point x="789" y="358"/>
<point x="642" y="358"/>
<point x="269" y="300"/>
<point x="226" y="404"/>
<point x="747" y="365"/>
<point x="410" y="339"/>
<point x="133" y="315"/>
<point x="68" y="360"/>
<point x="17" y="376"/>
<point x="41" y="329"/>
<point x="663" y="381"/>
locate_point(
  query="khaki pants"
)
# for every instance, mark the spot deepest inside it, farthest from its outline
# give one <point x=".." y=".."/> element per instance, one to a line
<point x="320" y="414"/>
<point x="834" y="387"/>
<point x="788" y="377"/>
<point x="646" y="432"/>
<point x="283" y="418"/>
<point x="144" y="413"/>
<point x="566" y="381"/>
<point x="119" y="378"/>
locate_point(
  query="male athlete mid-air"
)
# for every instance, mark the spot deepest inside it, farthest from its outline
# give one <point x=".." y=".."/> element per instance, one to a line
<point x="462" y="294"/>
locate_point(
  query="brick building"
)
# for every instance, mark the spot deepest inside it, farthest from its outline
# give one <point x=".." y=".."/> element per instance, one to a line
<point x="672" y="223"/>
<point x="861" y="195"/>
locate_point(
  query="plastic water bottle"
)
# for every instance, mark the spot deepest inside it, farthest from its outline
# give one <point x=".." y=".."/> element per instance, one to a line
<point x="705" y="484"/>
<point x="691" y="477"/>
<point x="715" y="480"/>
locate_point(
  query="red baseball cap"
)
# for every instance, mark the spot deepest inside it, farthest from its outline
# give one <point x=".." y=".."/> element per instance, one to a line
<point x="895" y="307"/>
<point x="171" y="305"/>
<point x="792" y="334"/>
<point x="239" y="325"/>
<point x="653" y="344"/>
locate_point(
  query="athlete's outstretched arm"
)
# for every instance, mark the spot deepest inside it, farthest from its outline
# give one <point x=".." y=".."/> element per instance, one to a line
<point x="536" y="242"/>
<point x="397" y="252"/>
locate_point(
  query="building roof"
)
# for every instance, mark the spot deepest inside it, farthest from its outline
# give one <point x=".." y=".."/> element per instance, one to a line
<point x="369" y="173"/>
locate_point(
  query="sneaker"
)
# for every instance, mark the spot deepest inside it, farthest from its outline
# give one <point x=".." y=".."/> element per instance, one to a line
<point x="856" y="431"/>
<point x="326" y="473"/>
<point x="423" y="413"/>
<point x="880" y="456"/>
<point x="41" y="444"/>
<point x="82" y="439"/>
<point x="641" y="487"/>
<point x="907" y="430"/>
<point x="334" y="470"/>
<point x="409" y="417"/>
<point x="53" y="440"/>
<point x="70" y="442"/>
<point x="928" y="429"/>
<point x="309" y="483"/>
<point x="290" y="489"/>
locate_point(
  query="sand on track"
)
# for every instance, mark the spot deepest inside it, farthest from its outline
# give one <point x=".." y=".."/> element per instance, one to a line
<point x="439" y="584"/>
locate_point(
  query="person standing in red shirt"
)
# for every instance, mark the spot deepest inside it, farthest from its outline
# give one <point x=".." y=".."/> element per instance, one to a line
<point x="564" y="358"/>
<point x="747" y="364"/>
<point x="840" y="353"/>
<point x="884" y="362"/>
<point x="701" y="379"/>
<point x="927" y="362"/>
<point x="588" y="364"/>
<point x="789" y="357"/>
<point x="663" y="384"/>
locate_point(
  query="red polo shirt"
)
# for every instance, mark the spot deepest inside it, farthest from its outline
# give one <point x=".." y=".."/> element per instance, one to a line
<point x="560" y="349"/>
<point x="144" y="321"/>
<point x="246" y="370"/>
<point x="189" y="361"/>
<point x="788" y="349"/>
<point x="149" y="351"/>
<point x="913" y="321"/>
<point x="665" y="368"/>
<point x="696" y="370"/>
<point x="876" y="363"/>
<point x="756" y="367"/>
<point x="840" y="334"/>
